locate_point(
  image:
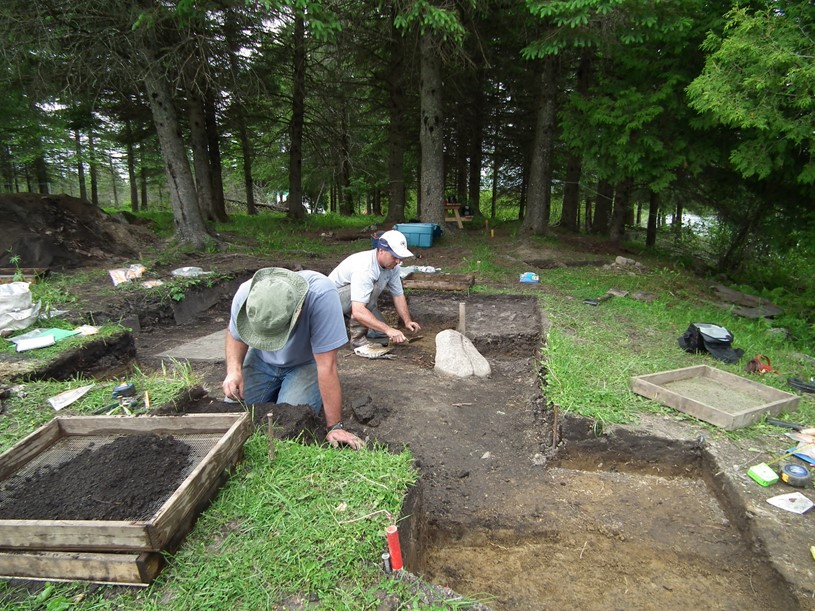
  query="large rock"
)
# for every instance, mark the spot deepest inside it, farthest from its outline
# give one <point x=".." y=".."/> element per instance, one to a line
<point x="456" y="355"/>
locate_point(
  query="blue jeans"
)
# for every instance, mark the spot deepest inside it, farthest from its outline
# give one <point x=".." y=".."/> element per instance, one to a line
<point x="264" y="383"/>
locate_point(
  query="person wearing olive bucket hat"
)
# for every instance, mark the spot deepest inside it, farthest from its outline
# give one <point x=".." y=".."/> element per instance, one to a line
<point x="284" y="332"/>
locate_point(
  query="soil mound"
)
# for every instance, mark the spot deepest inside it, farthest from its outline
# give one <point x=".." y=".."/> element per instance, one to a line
<point x="64" y="232"/>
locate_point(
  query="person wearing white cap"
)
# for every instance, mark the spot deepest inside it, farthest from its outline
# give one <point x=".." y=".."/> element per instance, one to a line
<point x="362" y="277"/>
<point x="284" y="332"/>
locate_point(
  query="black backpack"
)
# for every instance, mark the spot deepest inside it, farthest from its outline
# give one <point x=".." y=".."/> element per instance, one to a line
<point x="706" y="337"/>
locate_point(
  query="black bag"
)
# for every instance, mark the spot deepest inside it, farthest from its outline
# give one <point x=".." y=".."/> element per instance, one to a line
<point x="706" y="337"/>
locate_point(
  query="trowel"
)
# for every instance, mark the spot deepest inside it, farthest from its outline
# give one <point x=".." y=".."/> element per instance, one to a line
<point x="608" y="295"/>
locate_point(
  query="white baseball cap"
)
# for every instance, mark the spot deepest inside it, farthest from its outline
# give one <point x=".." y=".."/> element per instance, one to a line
<point x="395" y="243"/>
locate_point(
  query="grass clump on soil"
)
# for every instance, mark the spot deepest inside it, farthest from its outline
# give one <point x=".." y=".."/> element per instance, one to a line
<point x="49" y="352"/>
<point x="303" y="530"/>
<point x="28" y="408"/>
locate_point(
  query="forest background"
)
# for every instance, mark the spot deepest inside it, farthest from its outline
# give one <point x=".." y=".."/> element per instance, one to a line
<point x="598" y="116"/>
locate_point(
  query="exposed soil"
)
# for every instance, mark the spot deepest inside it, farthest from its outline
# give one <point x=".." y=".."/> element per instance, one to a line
<point x="517" y="505"/>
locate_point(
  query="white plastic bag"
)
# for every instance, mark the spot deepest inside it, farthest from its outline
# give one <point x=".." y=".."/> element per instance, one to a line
<point x="16" y="308"/>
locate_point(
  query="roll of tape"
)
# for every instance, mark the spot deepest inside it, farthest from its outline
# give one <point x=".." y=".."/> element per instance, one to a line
<point x="795" y="475"/>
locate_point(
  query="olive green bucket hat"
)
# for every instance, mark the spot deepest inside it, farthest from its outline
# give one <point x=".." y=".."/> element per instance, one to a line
<point x="267" y="317"/>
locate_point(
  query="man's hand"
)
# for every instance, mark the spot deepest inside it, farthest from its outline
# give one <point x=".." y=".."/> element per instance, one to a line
<point x="413" y="326"/>
<point x="341" y="436"/>
<point x="233" y="386"/>
<point x="235" y="353"/>
<point x="396" y="336"/>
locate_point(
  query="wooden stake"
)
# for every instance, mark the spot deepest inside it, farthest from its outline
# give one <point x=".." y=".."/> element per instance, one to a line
<point x="271" y="436"/>
<point x="462" y="324"/>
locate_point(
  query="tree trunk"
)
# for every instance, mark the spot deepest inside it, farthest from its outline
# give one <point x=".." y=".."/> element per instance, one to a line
<point x="571" y="193"/>
<point x="571" y="190"/>
<point x="94" y="169"/>
<point x="214" y="148"/>
<point x="463" y="124"/>
<point x="396" y="155"/>
<point x="190" y="227"/>
<point x="131" y="170"/>
<point x="622" y="205"/>
<point x="142" y="177"/>
<point x="653" y="212"/>
<point x="602" y="208"/>
<point x="419" y="183"/>
<point x="246" y="151"/>
<point x="240" y="118"/>
<point x="347" y="206"/>
<point x="296" y="209"/>
<point x="377" y="203"/>
<point x="6" y="168"/>
<point x="431" y="134"/>
<point x="200" y="154"/>
<point x="680" y="210"/>
<point x="476" y="143"/>
<point x="539" y="195"/>
<point x="41" y="173"/>
<point x="113" y="181"/>
<point x="80" y="167"/>
<point x="524" y="192"/>
<point x="496" y="166"/>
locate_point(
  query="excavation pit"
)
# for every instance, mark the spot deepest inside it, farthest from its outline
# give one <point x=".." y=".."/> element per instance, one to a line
<point x="605" y="533"/>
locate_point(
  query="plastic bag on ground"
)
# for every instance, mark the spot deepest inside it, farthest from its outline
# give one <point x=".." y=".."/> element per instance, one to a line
<point x="16" y="308"/>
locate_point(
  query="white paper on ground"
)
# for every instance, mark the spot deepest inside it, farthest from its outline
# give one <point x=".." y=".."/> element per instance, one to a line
<point x="794" y="502"/>
<point x="67" y="397"/>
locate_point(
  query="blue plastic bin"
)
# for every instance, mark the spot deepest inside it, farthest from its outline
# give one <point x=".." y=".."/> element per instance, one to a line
<point x="418" y="234"/>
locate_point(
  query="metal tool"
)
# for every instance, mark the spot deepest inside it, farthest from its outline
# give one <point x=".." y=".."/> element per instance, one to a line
<point x="124" y="390"/>
<point x="785" y="424"/>
<point x="125" y="395"/>
<point x="609" y="294"/>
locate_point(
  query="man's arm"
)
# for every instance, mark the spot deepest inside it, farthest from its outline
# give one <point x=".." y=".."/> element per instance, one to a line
<point x="328" y="378"/>
<point x="400" y="302"/>
<point x="365" y="317"/>
<point x="235" y="353"/>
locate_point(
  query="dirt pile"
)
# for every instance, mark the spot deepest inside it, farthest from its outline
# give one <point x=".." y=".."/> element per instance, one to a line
<point x="64" y="232"/>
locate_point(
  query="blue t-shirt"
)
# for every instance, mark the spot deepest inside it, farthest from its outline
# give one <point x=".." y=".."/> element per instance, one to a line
<point x="320" y="327"/>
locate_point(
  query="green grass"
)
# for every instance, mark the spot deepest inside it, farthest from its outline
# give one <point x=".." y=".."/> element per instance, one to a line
<point x="592" y="352"/>
<point x="28" y="409"/>
<point x="311" y="523"/>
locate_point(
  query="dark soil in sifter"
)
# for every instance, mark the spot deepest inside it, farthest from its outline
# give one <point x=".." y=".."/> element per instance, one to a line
<point x="127" y="479"/>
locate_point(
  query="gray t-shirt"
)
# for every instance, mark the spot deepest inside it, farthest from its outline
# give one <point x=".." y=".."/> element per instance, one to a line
<point x="366" y="279"/>
<point x="320" y="327"/>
